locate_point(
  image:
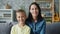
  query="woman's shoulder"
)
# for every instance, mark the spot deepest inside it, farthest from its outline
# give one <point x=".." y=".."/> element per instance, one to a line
<point x="43" y="20"/>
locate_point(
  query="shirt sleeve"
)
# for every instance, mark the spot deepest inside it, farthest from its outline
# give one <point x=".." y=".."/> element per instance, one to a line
<point x="43" y="29"/>
<point x="12" y="30"/>
<point x="28" y="31"/>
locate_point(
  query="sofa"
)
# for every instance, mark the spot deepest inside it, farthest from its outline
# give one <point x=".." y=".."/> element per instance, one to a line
<point x="53" y="28"/>
<point x="5" y="28"/>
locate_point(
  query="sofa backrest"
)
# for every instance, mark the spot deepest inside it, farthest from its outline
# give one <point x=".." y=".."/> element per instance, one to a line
<point x="5" y="28"/>
<point x="53" y="28"/>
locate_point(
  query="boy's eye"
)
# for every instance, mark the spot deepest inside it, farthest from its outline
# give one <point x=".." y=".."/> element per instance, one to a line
<point x="19" y="17"/>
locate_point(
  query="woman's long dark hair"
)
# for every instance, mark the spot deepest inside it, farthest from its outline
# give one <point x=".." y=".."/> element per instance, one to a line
<point x="39" y="17"/>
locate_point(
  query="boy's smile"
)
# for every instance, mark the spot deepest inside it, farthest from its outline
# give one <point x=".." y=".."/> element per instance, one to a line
<point x="21" y="17"/>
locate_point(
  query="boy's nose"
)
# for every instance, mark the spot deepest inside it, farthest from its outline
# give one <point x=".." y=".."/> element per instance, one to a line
<point x="21" y="18"/>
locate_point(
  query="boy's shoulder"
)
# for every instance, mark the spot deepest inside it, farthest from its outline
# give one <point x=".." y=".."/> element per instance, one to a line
<point x="27" y="27"/>
<point x="14" y="26"/>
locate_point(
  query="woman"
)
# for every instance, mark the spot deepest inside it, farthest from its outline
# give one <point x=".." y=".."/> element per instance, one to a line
<point x="35" y="20"/>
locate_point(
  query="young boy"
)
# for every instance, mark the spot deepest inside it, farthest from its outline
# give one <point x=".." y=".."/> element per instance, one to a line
<point x="21" y="27"/>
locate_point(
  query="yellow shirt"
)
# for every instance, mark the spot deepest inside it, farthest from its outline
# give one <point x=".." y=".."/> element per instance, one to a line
<point x="18" y="30"/>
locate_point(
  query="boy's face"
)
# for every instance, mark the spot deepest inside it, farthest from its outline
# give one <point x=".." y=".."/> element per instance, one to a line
<point x="21" y="17"/>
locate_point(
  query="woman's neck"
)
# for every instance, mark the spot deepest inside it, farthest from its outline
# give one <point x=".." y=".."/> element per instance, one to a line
<point x="35" y="19"/>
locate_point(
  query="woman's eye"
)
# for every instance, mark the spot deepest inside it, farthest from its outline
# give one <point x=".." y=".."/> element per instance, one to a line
<point x="22" y="16"/>
<point x="32" y="9"/>
<point x="36" y="8"/>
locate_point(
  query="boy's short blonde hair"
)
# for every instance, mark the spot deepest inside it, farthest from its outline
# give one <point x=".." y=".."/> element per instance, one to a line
<point x="20" y="10"/>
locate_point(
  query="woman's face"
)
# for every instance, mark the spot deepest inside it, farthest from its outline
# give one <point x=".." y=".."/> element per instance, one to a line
<point x="34" y="10"/>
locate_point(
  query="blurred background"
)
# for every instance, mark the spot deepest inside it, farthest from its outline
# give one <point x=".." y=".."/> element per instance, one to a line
<point x="50" y="11"/>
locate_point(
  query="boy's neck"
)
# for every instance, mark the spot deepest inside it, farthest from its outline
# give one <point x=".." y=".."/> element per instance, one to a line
<point x="21" y="24"/>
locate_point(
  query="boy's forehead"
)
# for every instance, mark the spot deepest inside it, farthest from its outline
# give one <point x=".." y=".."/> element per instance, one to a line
<point x="21" y="13"/>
